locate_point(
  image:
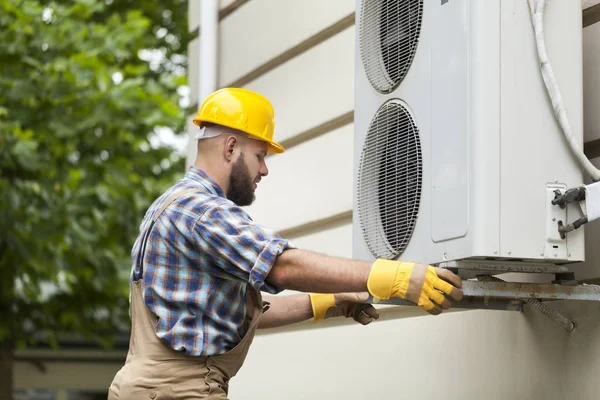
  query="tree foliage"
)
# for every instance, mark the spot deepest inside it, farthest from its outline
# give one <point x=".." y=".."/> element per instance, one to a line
<point x="85" y="86"/>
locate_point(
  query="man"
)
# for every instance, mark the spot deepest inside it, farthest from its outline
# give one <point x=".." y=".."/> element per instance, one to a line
<point x="200" y="264"/>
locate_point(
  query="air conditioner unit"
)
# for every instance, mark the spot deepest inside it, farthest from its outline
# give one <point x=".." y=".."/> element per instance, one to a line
<point x="458" y="154"/>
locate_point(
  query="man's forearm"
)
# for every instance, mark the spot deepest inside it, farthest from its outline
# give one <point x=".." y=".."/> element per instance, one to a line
<point x="286" y="310"/>
<point x="307" y="271"/>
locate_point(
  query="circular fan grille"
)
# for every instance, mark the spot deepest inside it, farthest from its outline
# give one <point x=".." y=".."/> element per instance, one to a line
<point x="389" y="180"/>
<point x="388" y="36"/>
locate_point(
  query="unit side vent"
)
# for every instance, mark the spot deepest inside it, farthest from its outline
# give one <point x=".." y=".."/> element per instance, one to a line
<point x="389" y="180"/>
<point x="388" y="37"/>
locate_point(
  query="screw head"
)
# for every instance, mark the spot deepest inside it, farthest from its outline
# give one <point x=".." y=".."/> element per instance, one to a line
<point x="556" y="181"/>
<point x="555" y="255"/>
<point x="569" y="255"/>
<point x="553" y="219"/>
<point x="495" y="251"/>
<point x="542" y="254"/>
<point x="509" y="252"/>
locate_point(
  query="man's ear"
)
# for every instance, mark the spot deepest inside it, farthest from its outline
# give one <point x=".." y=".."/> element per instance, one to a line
<point x="229" y="150"/>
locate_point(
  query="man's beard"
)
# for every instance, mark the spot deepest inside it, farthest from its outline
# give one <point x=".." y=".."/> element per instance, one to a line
<point x="241" y="190"/>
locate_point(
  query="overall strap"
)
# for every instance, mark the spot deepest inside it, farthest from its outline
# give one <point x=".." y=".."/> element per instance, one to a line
<point x="157" y="214"/>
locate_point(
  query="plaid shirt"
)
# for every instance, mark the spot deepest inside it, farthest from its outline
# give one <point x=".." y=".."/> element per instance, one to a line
<point x="200" y="257"/>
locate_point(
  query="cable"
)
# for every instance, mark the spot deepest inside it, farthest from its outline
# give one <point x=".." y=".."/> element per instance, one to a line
<point x="553" y="90"/>
<point x="531" y="6"/>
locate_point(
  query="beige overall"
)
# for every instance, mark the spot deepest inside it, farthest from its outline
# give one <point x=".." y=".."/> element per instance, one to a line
<point x="153" y="370"/>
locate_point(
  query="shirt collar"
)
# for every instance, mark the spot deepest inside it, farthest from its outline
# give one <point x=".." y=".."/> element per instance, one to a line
<point x="198" y="175"/>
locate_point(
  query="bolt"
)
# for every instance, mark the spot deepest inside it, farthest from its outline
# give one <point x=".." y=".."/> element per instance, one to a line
<point x="495" y="251"/>
<point x="553" y="219"/>
<point x="556" y="181"/>
<point x="509" y="252"/>
<point x="542" y="254"/>
<point x="569" y="255"/>
<point x="445" y="256"/>
<point x="555" y="255"/>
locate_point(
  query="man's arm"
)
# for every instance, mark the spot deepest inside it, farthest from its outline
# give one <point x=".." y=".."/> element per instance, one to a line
<point x="420" y="284"/>
<point x="239" y="247"/>
<point x="307" y="271"/>
<point x="287" y="310"/>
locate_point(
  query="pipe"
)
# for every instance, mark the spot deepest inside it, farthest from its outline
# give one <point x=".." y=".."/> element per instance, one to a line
<point x="208" y="62"/>
<point x="209" y="41"/>
<point x="553" y="90"/>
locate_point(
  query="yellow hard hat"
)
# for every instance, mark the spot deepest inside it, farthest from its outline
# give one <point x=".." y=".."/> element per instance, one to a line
<point x="243" y="110"/>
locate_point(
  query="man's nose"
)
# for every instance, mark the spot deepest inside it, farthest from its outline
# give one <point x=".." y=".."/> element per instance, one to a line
<point x="264" y="171"/>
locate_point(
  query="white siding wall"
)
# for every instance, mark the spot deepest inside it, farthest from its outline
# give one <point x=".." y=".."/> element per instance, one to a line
<point x="406" y="354"/>
<point x="313" y="88"/>
<point x="264" y="29"/>
<point x="309" y="182"/>
<point x="456" y="356"/>
<point x="333" y="240"/>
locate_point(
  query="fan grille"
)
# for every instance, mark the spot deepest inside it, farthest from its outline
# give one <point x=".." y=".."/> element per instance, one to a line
<point x="388" y="38"/>
<point x="389" y="180"/>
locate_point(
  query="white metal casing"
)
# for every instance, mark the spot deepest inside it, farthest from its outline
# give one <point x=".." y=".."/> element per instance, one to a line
<point x="489" y="140"/>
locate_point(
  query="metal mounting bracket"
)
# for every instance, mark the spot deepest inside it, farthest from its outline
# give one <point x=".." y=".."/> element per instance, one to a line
<point x="476" y="267"/>
<point x="494" y="294"/>
<point x="540" y="291"/>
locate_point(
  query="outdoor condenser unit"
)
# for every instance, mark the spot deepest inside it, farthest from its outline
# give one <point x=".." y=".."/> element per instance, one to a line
<point x="458" y="154"/>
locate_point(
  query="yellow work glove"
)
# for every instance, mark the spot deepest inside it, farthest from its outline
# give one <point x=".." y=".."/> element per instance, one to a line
<point x="349" y="305"/>
<point x="420" y="284"/>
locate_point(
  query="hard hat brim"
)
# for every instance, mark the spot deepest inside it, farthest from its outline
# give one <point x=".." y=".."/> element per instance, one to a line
<point x="273" y="147"/>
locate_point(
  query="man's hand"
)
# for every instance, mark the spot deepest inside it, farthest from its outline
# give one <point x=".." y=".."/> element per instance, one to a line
<point x="421" y="284"/>
<point x="353" y="305"/>
<point x="349" y="305"/>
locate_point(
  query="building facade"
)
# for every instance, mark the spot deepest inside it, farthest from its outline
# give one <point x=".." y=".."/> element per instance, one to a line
<point x="300" y="54"/>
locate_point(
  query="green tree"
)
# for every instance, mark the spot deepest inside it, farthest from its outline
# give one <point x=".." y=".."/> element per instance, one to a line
<point x="84" y="87"/>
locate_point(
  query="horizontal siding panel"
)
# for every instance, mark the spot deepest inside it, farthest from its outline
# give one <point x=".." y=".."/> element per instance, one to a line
<point x="393" y="353"/>
<point x="591" y="81"/>
<point x="335" y="241"/>
<point x="309" y="182"/>
<point x="264" y="29"/>
<point x="589" y="3"/>
<point x="224" y="3"/>
<point x="312" y="88"/>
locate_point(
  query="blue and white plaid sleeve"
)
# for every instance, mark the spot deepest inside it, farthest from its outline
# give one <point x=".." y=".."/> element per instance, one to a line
<point x="239" y="246"/>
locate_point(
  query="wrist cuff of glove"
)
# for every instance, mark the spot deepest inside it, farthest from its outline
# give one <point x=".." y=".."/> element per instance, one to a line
<point x="381" y="278"/>
<point x="320" y="303"/>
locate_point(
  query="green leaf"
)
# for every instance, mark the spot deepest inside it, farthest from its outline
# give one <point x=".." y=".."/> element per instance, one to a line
<point x="25" y="152"/>
<point x="76" y="167"/>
